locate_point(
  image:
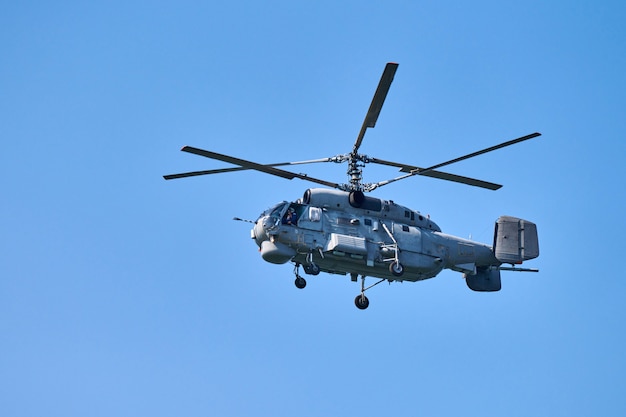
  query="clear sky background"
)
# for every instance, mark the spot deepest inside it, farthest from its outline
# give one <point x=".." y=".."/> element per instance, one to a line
<point x="122" y="294"/>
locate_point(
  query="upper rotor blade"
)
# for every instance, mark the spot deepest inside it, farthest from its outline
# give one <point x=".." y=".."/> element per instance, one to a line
<point x="377" y="102"/>
<point x="439" y="175"/>
<point x="225" y="170"/>
<point x="471" y="155"/>
<point x="255" y="166"/>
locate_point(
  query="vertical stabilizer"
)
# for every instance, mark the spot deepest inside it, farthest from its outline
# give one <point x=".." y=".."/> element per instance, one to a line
<point x="515" y="240"/>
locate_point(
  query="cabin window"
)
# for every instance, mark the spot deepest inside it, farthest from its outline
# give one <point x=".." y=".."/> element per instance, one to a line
<point x="407" y="213"/>
<point x="368" y="222"/>
<point x="405" y="228"/>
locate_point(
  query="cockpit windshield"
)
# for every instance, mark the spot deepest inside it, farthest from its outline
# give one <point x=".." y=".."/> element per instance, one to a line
<point x="275" y="212"/>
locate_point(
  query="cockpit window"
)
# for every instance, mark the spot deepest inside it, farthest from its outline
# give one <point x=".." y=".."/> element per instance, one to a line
<point x="290" y="217"/>
<point x="278" y="209"/>
<point x="275" y="212"/>
<point x="293" y="214"/>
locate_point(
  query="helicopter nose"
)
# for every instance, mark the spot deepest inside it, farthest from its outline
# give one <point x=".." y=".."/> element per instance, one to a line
<point x="258" y="231"/>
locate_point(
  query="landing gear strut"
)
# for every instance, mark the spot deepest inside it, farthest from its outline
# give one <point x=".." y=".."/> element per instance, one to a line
<point x="300" y="282"/>
<point x="311" y="267"/>
<point x="396" y="268"/>
<point x="361" y="301"/>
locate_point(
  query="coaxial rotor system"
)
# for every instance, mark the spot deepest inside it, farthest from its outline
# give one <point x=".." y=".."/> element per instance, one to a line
<point x="354" y="159"/>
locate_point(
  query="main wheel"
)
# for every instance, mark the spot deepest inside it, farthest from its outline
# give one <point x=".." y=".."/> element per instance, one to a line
<point x="300" y="282"/>
<point x="396" y="268"/>
<point x="361" y="302"/>
<point x="312" y="269"/>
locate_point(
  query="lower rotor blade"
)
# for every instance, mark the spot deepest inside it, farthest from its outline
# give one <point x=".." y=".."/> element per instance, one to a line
<point x="189" y="174"/>
<point x="257" y="167"/>
<point x="440" y="175"/>
<point x="471" y="155"/>
<point x="225" y="170"/>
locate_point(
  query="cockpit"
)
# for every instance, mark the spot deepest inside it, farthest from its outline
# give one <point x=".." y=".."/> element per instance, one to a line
<point x="283" y="214"/>
<point x="274" y="213"/>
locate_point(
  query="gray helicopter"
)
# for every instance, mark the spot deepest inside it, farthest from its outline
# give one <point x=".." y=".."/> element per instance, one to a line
<point x="340" y="230"/>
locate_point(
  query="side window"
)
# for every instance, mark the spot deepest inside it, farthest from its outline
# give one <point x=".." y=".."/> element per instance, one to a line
<point x="293" y="214"/>
<point x="290" y="217"/>
<point x="315" y="214"/>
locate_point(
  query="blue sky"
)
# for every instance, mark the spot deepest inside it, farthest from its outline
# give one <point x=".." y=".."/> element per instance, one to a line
<point x="123" y="294"/>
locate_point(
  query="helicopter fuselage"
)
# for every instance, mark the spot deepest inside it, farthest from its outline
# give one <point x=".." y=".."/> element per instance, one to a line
<point x="325" y="229"/>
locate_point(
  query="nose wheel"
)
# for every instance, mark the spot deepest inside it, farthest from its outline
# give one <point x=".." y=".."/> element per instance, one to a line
<point x="310" y="268"/>
<point x="300" y="282"/>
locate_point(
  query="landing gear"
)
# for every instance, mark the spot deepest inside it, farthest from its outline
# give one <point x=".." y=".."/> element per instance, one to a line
<point x="361" y="300"/>
<point x="311" y="269"/>
<point x="396" y="268"/>
<point x="300" y="282"/>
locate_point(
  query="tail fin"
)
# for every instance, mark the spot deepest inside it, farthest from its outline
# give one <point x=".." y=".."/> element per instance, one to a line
<point x="515" y="240"/>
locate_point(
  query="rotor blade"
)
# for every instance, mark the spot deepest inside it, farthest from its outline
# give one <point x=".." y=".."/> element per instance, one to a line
<point x="197" y="173"/>
<point x="225" y="170"/>
<point x="377" y="102"/>
<point x="471" y="155"/>
<point x="257" y="167"/>
<point x="463" y="180"/>
<point x="439" y="175"/>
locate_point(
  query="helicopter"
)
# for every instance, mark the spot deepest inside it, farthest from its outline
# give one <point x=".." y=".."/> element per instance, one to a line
<point x="341" y="230"/>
